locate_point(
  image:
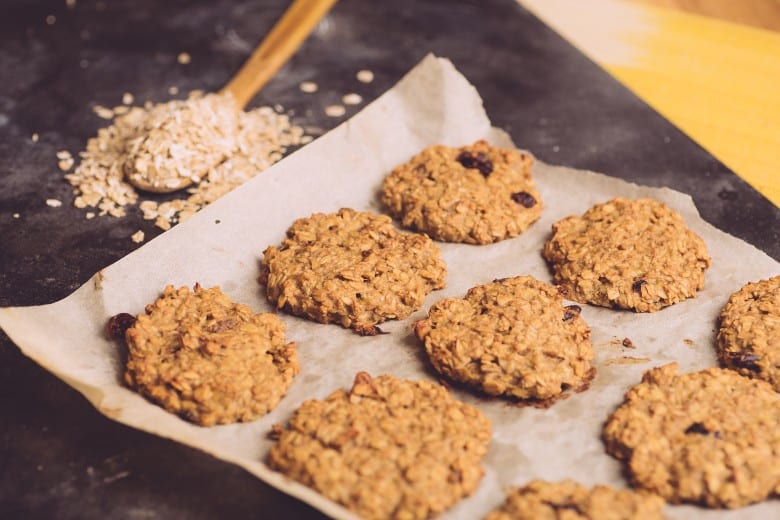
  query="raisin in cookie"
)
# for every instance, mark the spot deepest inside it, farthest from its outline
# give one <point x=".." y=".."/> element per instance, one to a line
<point x="387" y="448"/>
<point x="211" y="361"/>
<point x="710" y="437"/>
<point x="511" y="337"/>
<point x="351" y="268"/>
<point x="572" y="501"/>
<point x="749" y="335"/>
<point x="475" y="194"/>
<point x="627" y="254"/>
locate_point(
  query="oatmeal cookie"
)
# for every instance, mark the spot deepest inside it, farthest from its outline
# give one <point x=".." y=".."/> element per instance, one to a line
<point x="749" y="335"/>
<point x="211" y="361"/>
<point x="511" y="337"/>
<point x="474" y="194"/>
<point x="351" y="268"/>
<point x="387" y="448"/>
<point x="572" y="501"/>
<point x="710" y="437"/>
<point x="627" y="254"/>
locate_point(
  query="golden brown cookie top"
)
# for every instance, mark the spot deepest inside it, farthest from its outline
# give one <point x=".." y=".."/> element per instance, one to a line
<point x="710" y="437"/>
<point x="387" y="448"/>
<point x="476" y="194"/>
<point x="749" y="334"/>
<point x="628" y="254"/>
<point x="512" y="337"/>
<point x="352" y="268"/>
<point x="211" y="361"/>
<point x="572" y="501"/>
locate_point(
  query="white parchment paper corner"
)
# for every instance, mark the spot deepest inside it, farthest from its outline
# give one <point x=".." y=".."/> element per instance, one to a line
<point x="223" y="243"/>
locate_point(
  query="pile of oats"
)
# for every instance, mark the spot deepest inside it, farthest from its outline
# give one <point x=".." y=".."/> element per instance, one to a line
<point x="247" y="142"/>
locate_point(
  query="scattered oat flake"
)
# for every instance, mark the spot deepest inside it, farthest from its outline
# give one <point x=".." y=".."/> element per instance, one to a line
<point x="35" y="138"/>
<point x="137" y="237"/>
<point x="335" y="110"/>
<point x="352" y="99"/>
<point x="626" y="360"/>
<point x="103" y="112"/>
<point x="90" y="215"/>
<point x="63" y="154"/>
<point x="308" y="86"/>
<point x="184" y="58"/>
<point x="51" y="19"/>
<point x="128" y="98"/>
<point x="54" y="203"/>
<point x="173" y="90"/>
<point x="16" y="215"/>
<point x="365" y="76"/>
<point x="65" y="164"/>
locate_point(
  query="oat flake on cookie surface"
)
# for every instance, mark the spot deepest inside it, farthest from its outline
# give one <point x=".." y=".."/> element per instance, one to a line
<point x="748" y="339"/>
<point x="628" y="254"/>
<point x="351" y="268"/>
<point x="572" y="501"/>
<point x="387" y="448"/>
<point x="211" y="361"/>
<point x="476" y="194"/>
<point x="512" y="337"/>
<point x="710" y="437"/>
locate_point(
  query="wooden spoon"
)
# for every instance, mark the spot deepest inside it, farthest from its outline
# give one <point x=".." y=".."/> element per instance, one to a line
<point x="276" y="48"/>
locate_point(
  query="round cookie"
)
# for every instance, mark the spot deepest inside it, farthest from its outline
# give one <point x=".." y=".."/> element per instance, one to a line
<point x="512" y="337"/>
<point x="387" y="448"/>
<point x="749" y="336"/>
<point x="211" y="361"/>
<point x="710" y="437"/>
<point x="475" y="194"/>
<point x="570" y="500"/>
<point x="627" y="254"/>
<point x="351" y="268"/>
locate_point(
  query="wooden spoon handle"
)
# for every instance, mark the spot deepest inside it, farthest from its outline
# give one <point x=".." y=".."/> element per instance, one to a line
<point x="277" y="47"/>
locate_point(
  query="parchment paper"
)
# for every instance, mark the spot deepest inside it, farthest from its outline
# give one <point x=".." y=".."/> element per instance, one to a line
<point x="222" y="245"/>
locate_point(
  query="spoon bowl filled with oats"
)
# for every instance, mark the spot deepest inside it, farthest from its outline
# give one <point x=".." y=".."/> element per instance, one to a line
<point x="177" y="143"/>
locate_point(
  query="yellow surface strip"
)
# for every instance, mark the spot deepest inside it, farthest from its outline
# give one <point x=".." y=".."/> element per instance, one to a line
<point x="717" y="81"/>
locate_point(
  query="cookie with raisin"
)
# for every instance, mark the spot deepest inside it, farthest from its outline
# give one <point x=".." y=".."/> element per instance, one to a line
<point x="475" y="194"/>
<point x="207" y="359"/>
<point x="513" y="337"/>
<point x="632" y="254"/>
<point x="748" y="338"/>
<point x="710" y="437"/>
<point x="573" y="501"/>
<point x="386" y="448"/>
<point x="351" y="268"/>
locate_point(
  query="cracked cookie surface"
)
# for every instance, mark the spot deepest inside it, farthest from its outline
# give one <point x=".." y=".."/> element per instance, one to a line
<point x="629" y="254"/>
<point x="351" y="268"/>
<point x="387" y="448"/>
<point x="512" y="337"/>
<point x="748" y="339"/>
<point x="476" y="194"/>
<point x="710" y="437"/>
<point x="211" y="361"/>
<point x="572" y="501"/>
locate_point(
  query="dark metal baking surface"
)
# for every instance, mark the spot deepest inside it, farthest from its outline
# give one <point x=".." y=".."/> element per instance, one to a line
<point x="59" y="457"/>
